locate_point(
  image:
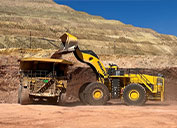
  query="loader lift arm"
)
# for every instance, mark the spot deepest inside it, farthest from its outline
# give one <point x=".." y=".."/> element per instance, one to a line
<point x="85" y="56"/>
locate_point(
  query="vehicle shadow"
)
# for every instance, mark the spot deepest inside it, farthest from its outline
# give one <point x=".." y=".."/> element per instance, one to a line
<point x="110" y="103"/>
<point x="78" y="103"/>
<point x="157" y="104"/>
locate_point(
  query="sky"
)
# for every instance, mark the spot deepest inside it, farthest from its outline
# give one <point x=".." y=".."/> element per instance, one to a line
<point x="159" y="15"/>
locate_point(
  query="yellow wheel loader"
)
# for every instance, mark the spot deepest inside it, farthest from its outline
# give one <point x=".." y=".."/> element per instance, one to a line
<point x="134" y="88"/>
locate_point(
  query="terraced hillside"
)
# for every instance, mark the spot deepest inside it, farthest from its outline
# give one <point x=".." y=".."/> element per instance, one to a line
<point x="48" y="20"/>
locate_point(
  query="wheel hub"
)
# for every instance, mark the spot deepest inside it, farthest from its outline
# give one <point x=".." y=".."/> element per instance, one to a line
<point x="134" y="95"/>
<point x="97" y="94"/>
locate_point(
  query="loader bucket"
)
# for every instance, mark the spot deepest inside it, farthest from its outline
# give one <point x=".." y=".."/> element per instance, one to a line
<point x="69" y="42"/>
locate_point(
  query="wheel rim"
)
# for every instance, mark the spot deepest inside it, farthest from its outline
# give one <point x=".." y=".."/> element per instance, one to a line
<point x="97" y="94"/>
<point x="134" y="95"/>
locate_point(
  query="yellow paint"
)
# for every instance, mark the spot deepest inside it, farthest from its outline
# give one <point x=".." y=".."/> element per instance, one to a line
<point x="46" y="60"/>
<point x="134" y="95"/>
<point x="71" y="37"/>
<point x="97" y="94"/>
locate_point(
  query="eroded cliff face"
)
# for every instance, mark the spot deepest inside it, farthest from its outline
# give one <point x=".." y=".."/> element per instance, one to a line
<point x="46" y="19"/>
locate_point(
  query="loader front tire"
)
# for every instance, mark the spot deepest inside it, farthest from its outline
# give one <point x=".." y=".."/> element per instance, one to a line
<point x="96" y="94"/>
<point x="82" y="93"/>
<point x="134" y="94"/>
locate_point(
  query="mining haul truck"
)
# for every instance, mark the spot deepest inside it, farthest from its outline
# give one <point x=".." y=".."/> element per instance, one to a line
<point x="43" y="80"/>
<point x="112" y="82"/>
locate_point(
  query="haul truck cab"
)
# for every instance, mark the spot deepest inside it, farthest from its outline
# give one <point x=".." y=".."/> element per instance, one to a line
<point x="43" y="80"/>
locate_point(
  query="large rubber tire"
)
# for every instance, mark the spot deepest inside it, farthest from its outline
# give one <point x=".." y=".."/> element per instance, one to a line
<point x="52" y="100"/>
<point x="137" y="88"/>
<point x="62" y="99"/>
<point x="24" y="96"/>
<point x="82" y="93"/>
<point x="19" y="93"/>
<point x="89" y="94"/>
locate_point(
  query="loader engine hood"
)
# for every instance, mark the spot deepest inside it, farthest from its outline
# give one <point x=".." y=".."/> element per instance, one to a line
<point x="69" y="42"/>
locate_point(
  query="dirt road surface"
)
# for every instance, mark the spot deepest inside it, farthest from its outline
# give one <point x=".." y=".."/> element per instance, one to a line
<point x="152" y="115"/>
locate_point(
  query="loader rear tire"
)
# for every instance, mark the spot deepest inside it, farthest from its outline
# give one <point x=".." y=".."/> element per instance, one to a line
<point x="24" y="96"/>
<point x="96" y="94"/>
<point x="134" y="94"/>
<point x="82" y="93"/>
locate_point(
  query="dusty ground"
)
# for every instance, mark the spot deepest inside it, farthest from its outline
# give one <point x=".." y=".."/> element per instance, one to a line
<point x="152" y="115"/>
<point x="75" y="115"/>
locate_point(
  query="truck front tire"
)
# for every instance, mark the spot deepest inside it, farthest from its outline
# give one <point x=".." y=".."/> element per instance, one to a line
<point x="23" y="97"/>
